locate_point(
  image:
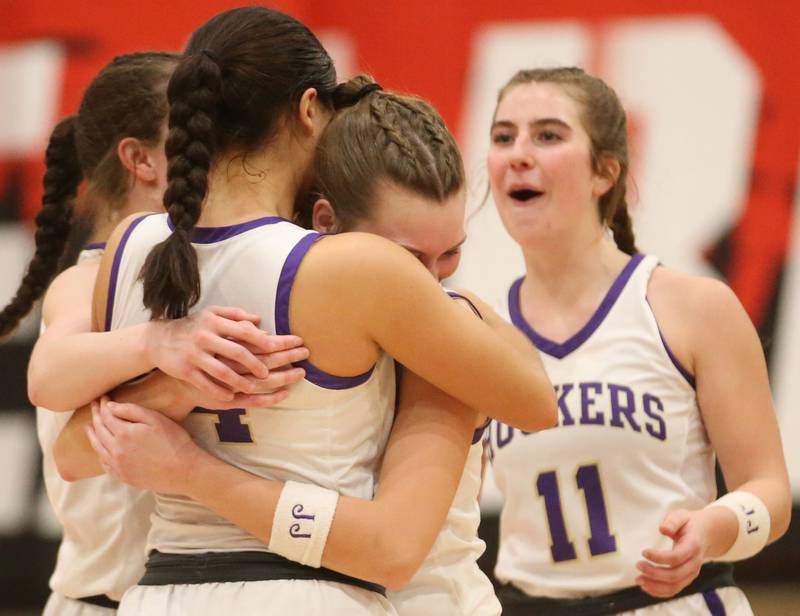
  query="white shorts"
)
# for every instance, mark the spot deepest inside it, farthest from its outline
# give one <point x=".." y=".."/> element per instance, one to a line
<point x="263" y="598"/>
<point x="59" y="605"/>
<point x="729" y="601"/>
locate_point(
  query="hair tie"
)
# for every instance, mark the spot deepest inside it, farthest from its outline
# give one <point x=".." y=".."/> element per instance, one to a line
<point x="210" y="55"/>
<point x="367" y="89"/>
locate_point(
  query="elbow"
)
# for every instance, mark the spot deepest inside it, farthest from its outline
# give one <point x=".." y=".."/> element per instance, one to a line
<point x="39" y="396"/>
<point x="543" y="415"/>
<point x="398" y="575"/>
<point x="36" y="393"/>
<point x="779" y="521"/>
<point x="400" y="561"/>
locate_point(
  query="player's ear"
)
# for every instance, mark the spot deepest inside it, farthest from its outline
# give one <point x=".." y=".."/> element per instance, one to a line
<point x="323" y="217"/>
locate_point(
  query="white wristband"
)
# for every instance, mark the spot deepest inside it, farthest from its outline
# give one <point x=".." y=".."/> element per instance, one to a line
<point x="754" y="523"/>
<point x="302" y="522"/>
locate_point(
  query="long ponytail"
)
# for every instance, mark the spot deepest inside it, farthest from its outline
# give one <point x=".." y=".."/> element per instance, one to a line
<point x="170" y="275"/>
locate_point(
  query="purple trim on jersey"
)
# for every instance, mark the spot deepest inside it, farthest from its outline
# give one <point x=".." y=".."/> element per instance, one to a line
<point x="285" y="283"/>
<point x="478" y="434"/>
<point x="714" y="603"/>
<point x="210" y="235"/>
<point x="95" y="246"/>
<point x="559" y="350"/>
<point x="112" y="281"/>
<point x="457" y="295"/>
<point x="675" y="361"/>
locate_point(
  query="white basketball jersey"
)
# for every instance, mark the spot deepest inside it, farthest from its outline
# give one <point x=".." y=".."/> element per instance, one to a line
<point x="449" y="582"/>
<point x="583" y="500"/>
<point x="330" y="431"/>
<point x="105" y="522"/>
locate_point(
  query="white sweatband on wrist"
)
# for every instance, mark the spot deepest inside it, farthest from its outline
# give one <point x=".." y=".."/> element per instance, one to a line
<point x="754" y="523"/>
<point x="302" y="522"/>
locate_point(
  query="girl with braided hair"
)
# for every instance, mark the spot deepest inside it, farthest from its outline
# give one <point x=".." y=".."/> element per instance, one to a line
<point x="656" y="373"/>
<point x="248" y="102"/>
<point x="385" y="165"/>
<point x="115" y="144"/>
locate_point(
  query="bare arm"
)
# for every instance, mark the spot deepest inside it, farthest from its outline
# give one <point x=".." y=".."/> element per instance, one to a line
<point x="384" y="540"/>
<point x="72" y="365"/>
<point x="381" y="293"/>
<point x="719" y="344"/>
<point x="175" y="399"/>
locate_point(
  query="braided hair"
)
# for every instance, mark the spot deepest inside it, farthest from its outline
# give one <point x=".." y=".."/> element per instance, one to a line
<point x="605" y="122"/>
<point x="243" y="71"/>
<point x="381" y="136"/>
<point x="126" y="99"/>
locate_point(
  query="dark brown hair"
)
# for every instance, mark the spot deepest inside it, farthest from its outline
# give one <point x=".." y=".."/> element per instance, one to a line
<point x="604" y="120"/>
<point x="126" y="99"/>
<point x="241" y="74"/>
<point x="383" y="136"/>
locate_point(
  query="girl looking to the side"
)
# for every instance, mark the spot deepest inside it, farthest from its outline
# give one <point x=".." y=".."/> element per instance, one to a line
<point x="255" y="130"/>
<point x="657" y="373"/>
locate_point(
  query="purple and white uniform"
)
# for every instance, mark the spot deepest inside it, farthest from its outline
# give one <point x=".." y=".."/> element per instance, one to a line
<point x="331" y="431"/>
<point x="104" y="522"/>
<point x="583" y="500"/>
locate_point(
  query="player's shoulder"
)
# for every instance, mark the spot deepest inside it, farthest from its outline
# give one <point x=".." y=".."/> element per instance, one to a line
<point x="700" y="301"/>
<point x="358" y="257"/>
<point x="74" y="283"/>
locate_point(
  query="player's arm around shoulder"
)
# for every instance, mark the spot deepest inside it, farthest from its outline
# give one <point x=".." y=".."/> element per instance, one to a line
<point x="386" y="295"/>
<point x="66" y="310"/>
<point x="707" y="327"/>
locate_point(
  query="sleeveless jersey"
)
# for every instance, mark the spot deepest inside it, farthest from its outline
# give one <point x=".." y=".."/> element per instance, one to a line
<point x="583" y="499"/>
<point x="331" y="431"/>
<point x="104" y="522"/>
<point x="449" y="582"/>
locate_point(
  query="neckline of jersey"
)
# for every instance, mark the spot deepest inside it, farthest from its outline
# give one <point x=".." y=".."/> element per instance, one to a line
<point x="211" y="235"/>
<point x="559" y="350"/>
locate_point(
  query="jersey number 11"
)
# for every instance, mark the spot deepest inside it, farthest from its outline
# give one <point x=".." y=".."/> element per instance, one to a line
<point x="601" y="541"/>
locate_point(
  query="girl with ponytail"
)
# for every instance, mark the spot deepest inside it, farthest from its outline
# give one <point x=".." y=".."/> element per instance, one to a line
<point x="656" y="372"/>
<point x="248" y="103"/>
<point x="115" y="145"/>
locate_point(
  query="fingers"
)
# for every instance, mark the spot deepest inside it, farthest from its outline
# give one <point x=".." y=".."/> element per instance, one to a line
<point x="237" y="353"/>
<point x="261" y="401"/>
<point x="683" y="550"/>
<point x="674" y="522"/>
<point x="98" y="446"/>
<point x="680" y="575"/>
<point x="130" y="412"/>
<point x="256" y="339"/>
<point x="668" y="582"/>
<point x="101" y="430"/>
<point x="284" y="358"/>
<point x="200" y="380"/>
<point x="278" y="378"/>
<point x="234" y="314"/>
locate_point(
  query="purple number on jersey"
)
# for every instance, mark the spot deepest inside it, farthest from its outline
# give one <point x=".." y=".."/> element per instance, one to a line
<point x="587" y="478"/>
<point x="230" y="428"/>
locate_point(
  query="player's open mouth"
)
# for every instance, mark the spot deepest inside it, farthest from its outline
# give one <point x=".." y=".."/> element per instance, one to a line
<point x="525" y="195"/>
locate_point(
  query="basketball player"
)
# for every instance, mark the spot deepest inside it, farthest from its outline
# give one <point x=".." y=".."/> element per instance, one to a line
<point x="248" y="102"/>
<point x="656" y="373"/>
<point x="399" y="196"/>
<point x="115" y="143"/>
